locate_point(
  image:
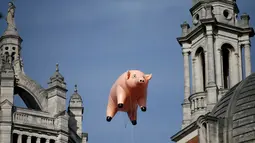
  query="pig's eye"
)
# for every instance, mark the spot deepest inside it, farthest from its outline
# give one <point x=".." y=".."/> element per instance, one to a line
<point x="134" y="76"/>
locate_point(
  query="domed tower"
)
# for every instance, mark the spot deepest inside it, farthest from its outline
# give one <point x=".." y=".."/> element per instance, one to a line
<point x="56" y="93"/>
<point x="75" y="111"/>
<point x="10" y="45"/>
<point x="213" y="45"/>
<point x="45" y="119"/>
<point x="218" y="108"/>
<point x="10" y="42"/>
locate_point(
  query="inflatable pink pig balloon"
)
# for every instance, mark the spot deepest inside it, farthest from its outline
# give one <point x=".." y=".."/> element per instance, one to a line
<point x="127" y="93"/>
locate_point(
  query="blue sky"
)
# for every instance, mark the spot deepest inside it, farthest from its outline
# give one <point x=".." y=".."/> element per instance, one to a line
<point x="93" y="41"/>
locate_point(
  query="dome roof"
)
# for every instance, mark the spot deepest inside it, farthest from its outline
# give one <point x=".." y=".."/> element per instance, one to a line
<point x="57" y="75"/>
<point x="75" y="95"/>
<point x="237" y="108"/>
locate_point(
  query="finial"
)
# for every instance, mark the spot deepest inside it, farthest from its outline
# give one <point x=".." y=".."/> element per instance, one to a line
<point x="57" y="68"/>
<point x="75" y="88"/>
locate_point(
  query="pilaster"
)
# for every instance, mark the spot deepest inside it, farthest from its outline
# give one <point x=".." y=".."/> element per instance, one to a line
<point x="6" y="104"/>
<point x="186" y="75"/>
<point x="186" y="102"/>
<point x="210" y="55"/>
<point x="235" y="69"/>
<point x="240" y="62"/>
<point x="247" y="56"/>
<point x="193" y="76"/>
<point x="218" y="66"/>
<point x="211" y="88"/>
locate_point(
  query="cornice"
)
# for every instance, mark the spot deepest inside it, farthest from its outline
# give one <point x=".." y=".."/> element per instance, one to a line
<point x="11" y="36"/>
<point x="184" y="132"/>
<point x="212" y="21"/>
<point x="198" y="4"/>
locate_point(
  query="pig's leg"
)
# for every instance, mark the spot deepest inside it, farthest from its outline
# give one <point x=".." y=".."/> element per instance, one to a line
<point x="121" y="96"/>
<point x="142" y="101"/>
<point x="132" y="114"/>
<point x="111" y="110"/>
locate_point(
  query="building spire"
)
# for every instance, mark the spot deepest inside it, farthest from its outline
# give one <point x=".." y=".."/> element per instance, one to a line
<point x="57" y="67"/>
<point x="75" y="88"/>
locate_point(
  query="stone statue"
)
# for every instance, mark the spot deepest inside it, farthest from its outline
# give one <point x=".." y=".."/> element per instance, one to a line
<point x="9" y="59"/>
<point x="10" y="16"/>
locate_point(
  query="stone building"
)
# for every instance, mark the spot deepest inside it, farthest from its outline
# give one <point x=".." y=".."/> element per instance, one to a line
<point x="46" y="119"/>
<point x="219" y="105"/>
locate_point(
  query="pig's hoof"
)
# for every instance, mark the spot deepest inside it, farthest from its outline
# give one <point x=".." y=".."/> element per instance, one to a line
<point x="143" y="109"/>
<point x="134" y="122"/>
<point x="120" y="105"/>
<point x="108" y="118"/>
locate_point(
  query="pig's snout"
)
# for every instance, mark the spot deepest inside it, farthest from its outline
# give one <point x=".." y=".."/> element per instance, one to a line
<point x="141" y="80"/>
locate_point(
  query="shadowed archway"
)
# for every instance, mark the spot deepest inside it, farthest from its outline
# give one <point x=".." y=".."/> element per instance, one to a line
<point x="200" y="68"/>
<point x="226" y="53"/>
<point x="28" y="99"/>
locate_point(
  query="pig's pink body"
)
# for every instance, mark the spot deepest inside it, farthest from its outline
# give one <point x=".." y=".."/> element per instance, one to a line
<point x="130" y="90"/>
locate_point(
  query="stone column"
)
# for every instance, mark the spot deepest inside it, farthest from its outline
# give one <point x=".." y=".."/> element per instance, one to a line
<point x="218" y="65"/>
<point x="47" y="140"/>
<point x="212" y="96"/>
<point x="206" y="68"/>
<point x="19" y="138"/>
<point x="186" y="103"/>
<point x="210" y="54"/>
<point x="235" y="67"/>
<point x="186" y="76"/>
<point x="247" y="56"/>
<point x="28" y="139"/>
<point x="193" y="76"/>
<point x="38" y="140"/>
<point x="202" y="135"/>
<point x="240" y="62"/>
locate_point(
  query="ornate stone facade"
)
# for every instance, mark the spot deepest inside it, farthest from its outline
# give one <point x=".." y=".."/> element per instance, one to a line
<point x="215" y="45"/>
<point x="46" y="119"/>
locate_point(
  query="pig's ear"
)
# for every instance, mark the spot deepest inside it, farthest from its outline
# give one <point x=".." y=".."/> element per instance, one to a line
<point x="128" y="75"/>
<point x="148" y="76"/>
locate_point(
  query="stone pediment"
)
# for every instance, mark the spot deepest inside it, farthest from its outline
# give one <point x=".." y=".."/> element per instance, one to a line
<point x="6" y="104"/>
<point x="34" y="89"/>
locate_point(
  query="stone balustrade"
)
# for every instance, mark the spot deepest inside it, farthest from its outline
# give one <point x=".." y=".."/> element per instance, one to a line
<point x="198" y="101"/>
<point x="27" y="117"/>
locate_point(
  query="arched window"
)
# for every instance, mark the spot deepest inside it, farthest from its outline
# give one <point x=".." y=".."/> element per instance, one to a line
<point x="200" y="71"/>
<point x="226" y="53"/>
